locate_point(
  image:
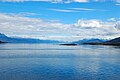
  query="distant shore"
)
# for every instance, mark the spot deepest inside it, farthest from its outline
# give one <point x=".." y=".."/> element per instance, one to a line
<point x="114" y="44"/>
<point x="69" y="44"/>
<point x="1" y="42"/>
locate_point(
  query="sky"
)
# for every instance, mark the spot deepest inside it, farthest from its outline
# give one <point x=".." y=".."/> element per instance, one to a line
<point x="65" y="20"/>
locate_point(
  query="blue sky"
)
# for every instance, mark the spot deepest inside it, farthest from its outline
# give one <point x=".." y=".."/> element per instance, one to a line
<point x="72" y="14"/>
<point x="48" y="10"/>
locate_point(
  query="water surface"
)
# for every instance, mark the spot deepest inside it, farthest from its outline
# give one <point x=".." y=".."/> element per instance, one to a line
<point x="58" y="62"/>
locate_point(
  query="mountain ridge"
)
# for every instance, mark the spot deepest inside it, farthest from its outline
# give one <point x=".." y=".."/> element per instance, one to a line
<point x="115" y="42"/>
<point x="88" y="40"/>
<point x="4" y="38"/>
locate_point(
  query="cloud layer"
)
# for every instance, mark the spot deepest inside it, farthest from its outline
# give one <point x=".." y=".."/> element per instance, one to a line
<point x="38" y="28"/>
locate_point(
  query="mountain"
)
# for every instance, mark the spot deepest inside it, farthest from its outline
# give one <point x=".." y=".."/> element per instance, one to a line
<point x="4" y="38"/>
<point x="83" y="41"/>
<point x="1" y="42"/>
<point x="115" y="42"/>
<point x="88" y="41"/>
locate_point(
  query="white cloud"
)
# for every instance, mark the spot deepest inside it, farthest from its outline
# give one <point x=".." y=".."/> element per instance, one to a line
<point x="14" y="25"/>
<point x="97" y="28"/>
<point x="117" y="4"/>
<point x="117" y="1"/>
<point x="63" y="10"/>
<point x="80" y="0"/>
<point x="88" y="23"/>
<point x="117" y="25"/>
<point x="18" y="25"/>
<point x="112" y="19"/>
<point x="82" y="9"/>
<point x="13" y="0"/>
<point x="72" y="9"/>
<point x="22" y="14"/>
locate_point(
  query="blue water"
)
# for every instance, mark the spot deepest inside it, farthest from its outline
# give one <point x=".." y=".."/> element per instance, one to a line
<point x="55" y="62"/>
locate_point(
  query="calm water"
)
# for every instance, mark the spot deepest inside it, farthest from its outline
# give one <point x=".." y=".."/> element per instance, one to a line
<point x="54" y="62"/>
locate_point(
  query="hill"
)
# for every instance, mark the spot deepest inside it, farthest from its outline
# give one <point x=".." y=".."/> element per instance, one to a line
<point x="1" y="42"/>
<point x="89" y="41"/>
<point x="93" y="40"/>
<point x="115" y="42"/>
<point x="4" y="38"/>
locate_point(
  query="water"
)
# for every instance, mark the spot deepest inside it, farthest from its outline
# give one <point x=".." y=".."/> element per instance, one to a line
<point x="55" y="62"/>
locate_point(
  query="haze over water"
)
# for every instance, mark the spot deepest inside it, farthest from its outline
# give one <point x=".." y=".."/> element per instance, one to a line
<point x="58" y="62"/>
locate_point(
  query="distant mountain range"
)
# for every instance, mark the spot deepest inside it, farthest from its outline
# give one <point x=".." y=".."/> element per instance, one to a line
<point x="115" y="42"/>
<point x="88" y="41"/>
<point x="4" y="38"/>
<point x="80" y="42"/>
<point x="93" y="41"/>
